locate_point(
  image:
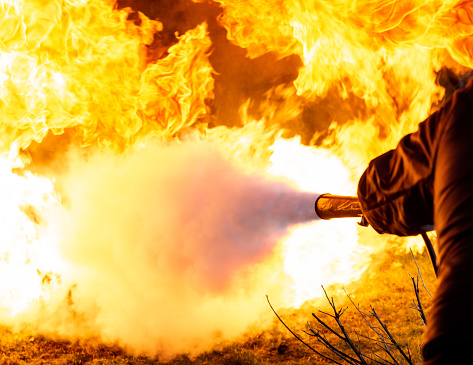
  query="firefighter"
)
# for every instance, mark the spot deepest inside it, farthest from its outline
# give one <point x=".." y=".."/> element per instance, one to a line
<point x="428" y="180"/>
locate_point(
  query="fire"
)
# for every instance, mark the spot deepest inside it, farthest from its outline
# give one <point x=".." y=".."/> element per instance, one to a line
<point x="322" y="251"/>
<point x="131" y="210"/>
<point x="27" y="260"/>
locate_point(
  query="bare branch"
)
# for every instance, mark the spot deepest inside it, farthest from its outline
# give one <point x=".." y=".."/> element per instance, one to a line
<point x="373" y="339"/>
<point x="420" y="274"/>
<point x="384" y="361"/>
<point x="419" y="304"/>
<point x="340" y="353"/>
<point x="389" y="353"/>
<point x="399" y="348"/>
<point x="297" y="337"/>
<point x="328" y="327"/>
<point x="365" y="316"/>
<point x="342" y="328"/>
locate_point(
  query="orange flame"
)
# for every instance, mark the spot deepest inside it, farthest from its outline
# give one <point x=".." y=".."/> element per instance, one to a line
<point x="95" y="125"/>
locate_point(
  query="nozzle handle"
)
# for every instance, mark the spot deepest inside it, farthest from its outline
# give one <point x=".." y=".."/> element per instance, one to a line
<point x="328" y="206"/>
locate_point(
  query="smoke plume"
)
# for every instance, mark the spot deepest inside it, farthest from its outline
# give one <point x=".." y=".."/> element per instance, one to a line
<point x="166" y="244"/>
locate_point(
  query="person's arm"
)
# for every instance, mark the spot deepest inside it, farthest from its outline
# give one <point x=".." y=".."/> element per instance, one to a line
<point x="395" y="191"/>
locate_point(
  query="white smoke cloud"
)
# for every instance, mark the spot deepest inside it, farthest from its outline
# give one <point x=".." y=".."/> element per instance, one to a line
<point x="168" y="246"/>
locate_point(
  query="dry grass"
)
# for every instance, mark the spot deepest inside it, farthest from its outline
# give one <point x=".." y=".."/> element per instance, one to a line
<point x="387" y="287"/>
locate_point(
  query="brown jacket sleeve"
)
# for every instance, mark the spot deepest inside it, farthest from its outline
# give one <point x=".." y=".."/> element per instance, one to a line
<point x="395" y="191"/>
<point x="429" y="176"/>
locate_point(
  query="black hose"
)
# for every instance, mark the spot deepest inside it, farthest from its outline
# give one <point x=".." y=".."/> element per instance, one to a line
<point x="430" y="248"/>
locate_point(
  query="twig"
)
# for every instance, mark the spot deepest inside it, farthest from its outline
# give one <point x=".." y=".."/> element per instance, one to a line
<point x="418" y="306"/>
<point x="327" y="344"/>
<point x="420" y="274"/>
<point x="373" y="339"/>
<point x="327" y="327"/>
<point x="380" y="334"/>
<point x="390" y="363"/>
<point x="323" y="340"/>
<point x="389" y="353"/>
<point x="364" y="316"/>
<point x="408" y="358"/>
<point x="385" y="340"/>
<point x="297" y="337"/>
<point x="342" y="328"/>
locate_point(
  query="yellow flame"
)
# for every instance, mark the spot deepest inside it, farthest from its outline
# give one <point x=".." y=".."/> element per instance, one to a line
<point x="29" y="262"/>
<point x="77" y="75"/>
<point x="322" y="252"/>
